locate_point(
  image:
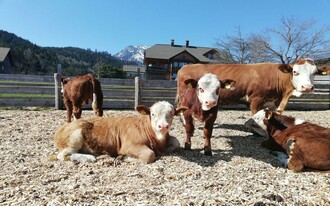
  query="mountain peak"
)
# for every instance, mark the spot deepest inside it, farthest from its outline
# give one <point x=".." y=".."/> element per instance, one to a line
<point x="132" y="53"/>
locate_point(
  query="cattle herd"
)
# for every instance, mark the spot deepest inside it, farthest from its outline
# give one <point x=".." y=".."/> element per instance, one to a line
<point x="201" y="89"/>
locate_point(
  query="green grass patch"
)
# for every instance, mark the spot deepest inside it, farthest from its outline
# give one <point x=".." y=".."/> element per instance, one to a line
<point x="22" y="96"/>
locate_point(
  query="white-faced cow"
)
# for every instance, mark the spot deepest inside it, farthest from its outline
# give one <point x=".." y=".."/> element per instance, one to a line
<point x="80" y="90"/>
<point x="306" y="144"/>
<point x="139" y="136"/>
<point x="256" y="84"/>
<point x="201" y="97"/>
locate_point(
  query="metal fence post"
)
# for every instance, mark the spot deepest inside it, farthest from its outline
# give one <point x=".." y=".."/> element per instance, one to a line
<point x="137" y="90"/>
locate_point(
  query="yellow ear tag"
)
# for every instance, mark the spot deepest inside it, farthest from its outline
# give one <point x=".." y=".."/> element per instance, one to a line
<point x="324" y="73"/>
<point x="189" y="85"/>
<point x="143" y="112"/>
<point x="270" y="115"/>
<point x="227" y="86"/>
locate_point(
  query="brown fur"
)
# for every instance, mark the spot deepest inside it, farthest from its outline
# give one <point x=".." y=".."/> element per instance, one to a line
<point x="130" y="135"/>
<point x="190" y="100"/>
<point x="79" y="90"/>
<point x="307" y="144"/>
<point x="263" y="82"/>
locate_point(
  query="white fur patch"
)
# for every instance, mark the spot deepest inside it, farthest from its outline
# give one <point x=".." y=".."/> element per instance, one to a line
<point x="82" y="157"/>
<point x="303" y="76"/>
<point x="161" y="114"/>
<point x="298" y="121"/>
<point x="207" y="88"/>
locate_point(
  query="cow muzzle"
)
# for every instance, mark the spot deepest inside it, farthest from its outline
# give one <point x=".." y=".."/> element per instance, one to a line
<point x="208" y="105"/>
<point x="307" y="88"/>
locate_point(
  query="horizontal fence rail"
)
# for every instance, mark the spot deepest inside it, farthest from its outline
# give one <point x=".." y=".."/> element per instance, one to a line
<point x="44" y="91"/>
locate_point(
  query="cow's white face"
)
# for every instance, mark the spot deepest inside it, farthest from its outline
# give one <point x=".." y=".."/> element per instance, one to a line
<point x="208" y="91"/>
<point x="256" y="123"/>
<point x="161" y="116"/>
<point x="303" y="75"/>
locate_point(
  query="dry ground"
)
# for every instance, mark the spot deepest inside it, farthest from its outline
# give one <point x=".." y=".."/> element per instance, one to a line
<point x="239" y="173"/>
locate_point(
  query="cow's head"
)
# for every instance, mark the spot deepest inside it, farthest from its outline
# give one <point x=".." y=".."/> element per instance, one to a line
<point x="257" y="122"/>
<point x="161" y="116"/>
<point x="303" y="71"/>
<point x="208" y="89"/>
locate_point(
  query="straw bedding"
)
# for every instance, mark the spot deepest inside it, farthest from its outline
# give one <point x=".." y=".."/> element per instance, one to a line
<point x="240" y="172"/>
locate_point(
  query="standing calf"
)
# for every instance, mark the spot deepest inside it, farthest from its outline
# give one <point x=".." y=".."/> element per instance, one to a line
<point x="143" y="137"/>
<point x="201" y="97"/>
<point x="306" y="144"/>
<point x="80" y="90"/>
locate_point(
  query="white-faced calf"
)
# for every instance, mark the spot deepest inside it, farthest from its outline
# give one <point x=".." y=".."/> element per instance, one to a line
<point x="306" y="144"/>
<point x="143" y="136"/>
<point x="201" y="97"/>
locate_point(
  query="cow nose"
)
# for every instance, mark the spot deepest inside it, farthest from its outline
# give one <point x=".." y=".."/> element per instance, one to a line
<point x="163" y="126"/>
<point x="210" y="103"/>
<point x="307" y="88"/>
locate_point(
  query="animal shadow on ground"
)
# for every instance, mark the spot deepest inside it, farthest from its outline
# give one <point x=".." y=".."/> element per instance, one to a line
<point x="237" y="141"/>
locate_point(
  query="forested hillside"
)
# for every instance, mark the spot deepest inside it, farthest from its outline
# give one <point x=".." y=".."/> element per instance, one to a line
<point x="30" y="58"/>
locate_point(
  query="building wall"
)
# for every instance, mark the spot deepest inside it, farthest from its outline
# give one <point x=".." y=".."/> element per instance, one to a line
<point x="6" y="67"/>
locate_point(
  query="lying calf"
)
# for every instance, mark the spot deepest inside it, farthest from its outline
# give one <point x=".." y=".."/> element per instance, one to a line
<point x="306" y="144"/>
<point x="143" y="137"/>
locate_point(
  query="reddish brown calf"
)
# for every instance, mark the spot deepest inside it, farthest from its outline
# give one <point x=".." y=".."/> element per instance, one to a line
<point x="306" y="144"/>
<point x="80" y="90"/>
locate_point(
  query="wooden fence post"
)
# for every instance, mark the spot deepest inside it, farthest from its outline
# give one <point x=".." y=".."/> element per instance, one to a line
<point x="137" y="90"/>
<point x="58" y="96"/>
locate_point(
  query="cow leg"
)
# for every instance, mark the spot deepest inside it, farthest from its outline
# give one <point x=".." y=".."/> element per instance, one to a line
<point x="143" y="153"/>
<point x="189" y="126"/>
<point x="172" y="144"/>
<point x="208" y="130"/>
<point x="77" y="109"/>
<point x="294" y="163"/>
<point x="256" y="104"/>
<point x="69" y="108"/>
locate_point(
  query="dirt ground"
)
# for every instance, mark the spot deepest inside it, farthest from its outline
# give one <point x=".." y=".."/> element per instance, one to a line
<point x="239" y="173"/>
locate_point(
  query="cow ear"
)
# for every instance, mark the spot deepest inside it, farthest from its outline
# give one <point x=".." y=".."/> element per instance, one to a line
<point x="180" y="110"/>
<point x="286" y="68"/>
<point x="144" y="110"/>
<point x="228" y="84"/>
<point x="191" y="83"/>
<point x="322" y="71"/>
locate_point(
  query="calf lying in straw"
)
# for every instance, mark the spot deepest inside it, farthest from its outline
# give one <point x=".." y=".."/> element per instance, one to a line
<point x="143" y="137"/>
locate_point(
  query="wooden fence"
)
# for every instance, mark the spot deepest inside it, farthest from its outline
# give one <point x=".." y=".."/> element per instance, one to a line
<point x="44" y="91"/>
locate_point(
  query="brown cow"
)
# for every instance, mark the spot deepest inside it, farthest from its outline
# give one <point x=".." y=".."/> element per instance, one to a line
<point x="256" y="84"/>
<point x="201" y="97"/>
<point x="325" y="69"/>
<point x="143" y="137"/>
<point x="80" y="90"/>
<point x="306" y="144"/>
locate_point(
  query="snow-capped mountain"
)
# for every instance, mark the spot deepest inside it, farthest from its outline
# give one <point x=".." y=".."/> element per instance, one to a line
<point x="132" y="53"/>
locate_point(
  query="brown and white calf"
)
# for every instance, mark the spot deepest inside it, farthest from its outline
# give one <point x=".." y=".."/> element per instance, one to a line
<point x="306" y="144"/>
<point x="256" y="84"/>
<point x="201" y="97"/>
<point x="143" y="136"/>
<point x="80" y="90"/>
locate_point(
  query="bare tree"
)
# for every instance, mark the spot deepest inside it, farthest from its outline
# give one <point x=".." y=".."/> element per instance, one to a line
<point x="234" y="49"/>
<point x="288" y="42"/>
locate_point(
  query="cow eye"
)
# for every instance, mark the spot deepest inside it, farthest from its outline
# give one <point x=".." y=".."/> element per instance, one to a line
<point x="201" y="90"/>
<point x="296" y="73"/>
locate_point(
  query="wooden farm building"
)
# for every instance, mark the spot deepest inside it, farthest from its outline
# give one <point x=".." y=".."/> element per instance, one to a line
<point x="6" y="61"/>
<point x="163" y="61"/>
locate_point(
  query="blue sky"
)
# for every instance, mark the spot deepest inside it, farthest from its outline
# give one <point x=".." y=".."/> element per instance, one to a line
<point x="112" y="25"/>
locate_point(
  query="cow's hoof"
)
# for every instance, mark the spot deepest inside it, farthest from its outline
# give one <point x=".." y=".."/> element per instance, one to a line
<point x="187" y="146"/>
<point x="207" y="151"/>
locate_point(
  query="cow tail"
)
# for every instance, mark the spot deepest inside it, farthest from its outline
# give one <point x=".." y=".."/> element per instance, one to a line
<point x="97" y="97"/>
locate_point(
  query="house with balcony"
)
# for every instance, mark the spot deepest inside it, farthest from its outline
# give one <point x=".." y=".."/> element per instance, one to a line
<point x="163" y="61"/>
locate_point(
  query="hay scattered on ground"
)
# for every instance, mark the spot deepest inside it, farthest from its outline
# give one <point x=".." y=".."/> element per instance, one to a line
<point x="239" y="173"/>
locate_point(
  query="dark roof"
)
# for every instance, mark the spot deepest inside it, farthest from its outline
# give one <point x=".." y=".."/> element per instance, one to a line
<point x="166" y="51"/>
<point x="3" y="53"/>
